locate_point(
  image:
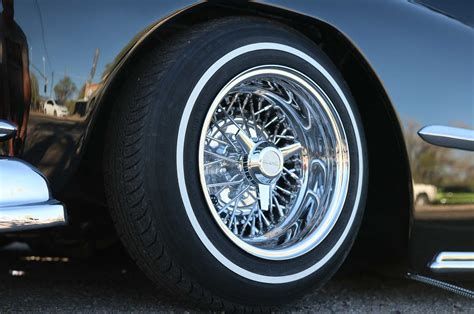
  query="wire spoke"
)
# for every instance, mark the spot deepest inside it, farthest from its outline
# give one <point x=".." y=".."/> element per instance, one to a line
<point x="233" y="200"/>
<point x="221" y="157"/>
<point x="227" y="183"/>
<point x="224" y="135"/>
<point x="270" y="163"/>
<point x="290" y="150"/>
<point x="292" y="175"/>
<point x="217" y="140"/>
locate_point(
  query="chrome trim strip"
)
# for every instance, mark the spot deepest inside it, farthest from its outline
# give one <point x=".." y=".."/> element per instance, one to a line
<point x="453" y="261"/>
<point x="25" y="201"/>
<point x="7" y="130"/>
<point x="448" y="136"/>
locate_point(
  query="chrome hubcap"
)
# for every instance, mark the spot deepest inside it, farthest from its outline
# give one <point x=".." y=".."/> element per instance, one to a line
<point x="264" y="164"/>
<point x="274" y="162"/>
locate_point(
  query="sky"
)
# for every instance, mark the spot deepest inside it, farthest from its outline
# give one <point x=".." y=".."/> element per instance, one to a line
<point x="66" y="34"/>
<point x="74" y="29"/>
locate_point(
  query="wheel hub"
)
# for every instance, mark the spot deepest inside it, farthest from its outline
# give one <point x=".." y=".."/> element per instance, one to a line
<point x="264" y="163"/>
<point x="273" y="163"/>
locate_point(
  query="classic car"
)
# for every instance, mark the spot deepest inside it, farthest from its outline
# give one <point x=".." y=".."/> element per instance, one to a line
<point x="239" y="149"/>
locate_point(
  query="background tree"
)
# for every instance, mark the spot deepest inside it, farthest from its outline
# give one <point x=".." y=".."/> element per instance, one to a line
<point x="437" y="165"/>
<point x="64" y="89"/>
<point x="431" y="164"/>
<point x="35" y="95"/>
<point x="82" y="92"/>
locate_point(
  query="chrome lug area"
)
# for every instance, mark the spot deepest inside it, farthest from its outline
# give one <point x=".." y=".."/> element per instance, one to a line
<point x="25" y="198"/>
<point x="274" y="162"/>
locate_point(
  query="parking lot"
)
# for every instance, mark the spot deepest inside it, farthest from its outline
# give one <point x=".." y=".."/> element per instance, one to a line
<point x="31" y="282"/>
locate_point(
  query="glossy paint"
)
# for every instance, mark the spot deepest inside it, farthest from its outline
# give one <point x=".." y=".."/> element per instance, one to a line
<point x="421" y="55"/>
<point x="425" y="61"/>
<point x="81" y="42"/>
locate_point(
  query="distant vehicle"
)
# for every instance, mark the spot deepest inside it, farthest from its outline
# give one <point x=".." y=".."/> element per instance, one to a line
<point x="424" y="193"/>
<point x="52" y="108"/>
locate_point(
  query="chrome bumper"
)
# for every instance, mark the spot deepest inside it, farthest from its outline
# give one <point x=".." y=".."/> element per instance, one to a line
<point x="25" y="199"/>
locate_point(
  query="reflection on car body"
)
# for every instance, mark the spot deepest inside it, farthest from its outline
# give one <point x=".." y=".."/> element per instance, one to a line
<point x="52" y="108"/>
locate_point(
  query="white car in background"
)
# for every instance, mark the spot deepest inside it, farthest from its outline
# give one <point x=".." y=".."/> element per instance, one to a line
<point x="52" y="108"/>
<point x="425" y="194"/>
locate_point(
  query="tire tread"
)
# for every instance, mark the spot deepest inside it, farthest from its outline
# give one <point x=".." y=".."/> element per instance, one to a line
<point x="123" y="164"/>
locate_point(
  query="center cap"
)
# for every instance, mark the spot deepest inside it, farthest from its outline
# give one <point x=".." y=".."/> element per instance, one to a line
<point x="270" y="162"/>
<point x="264" y="164"/>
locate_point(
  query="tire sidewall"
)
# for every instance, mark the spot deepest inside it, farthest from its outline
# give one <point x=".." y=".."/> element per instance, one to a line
<point x="181" y="212"/>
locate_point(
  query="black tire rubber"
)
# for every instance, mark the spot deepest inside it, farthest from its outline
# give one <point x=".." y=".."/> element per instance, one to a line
<point x="141" y="176"/>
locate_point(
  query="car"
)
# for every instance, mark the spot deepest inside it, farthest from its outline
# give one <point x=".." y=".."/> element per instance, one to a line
<point x="240" y="151"/>
<point x="424" y="194"/>
<point x="52" y="108"/>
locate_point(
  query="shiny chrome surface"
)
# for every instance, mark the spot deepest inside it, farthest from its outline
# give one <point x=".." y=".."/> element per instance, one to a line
<point x="25" y="201"/>
<point x="274" y="162"/>
<point x="453" y="261"/>
<point x="448" y="136"/>
<point x="33" y="216"/>
<point x="21" y="184"/>
<point x="7" y="130"/>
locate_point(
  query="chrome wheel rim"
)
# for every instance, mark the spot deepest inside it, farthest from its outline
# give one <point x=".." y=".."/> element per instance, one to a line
<point x="274" y="162"/>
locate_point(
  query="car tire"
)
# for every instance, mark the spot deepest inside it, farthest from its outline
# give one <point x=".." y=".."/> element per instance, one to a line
<point x="154" y="177"/>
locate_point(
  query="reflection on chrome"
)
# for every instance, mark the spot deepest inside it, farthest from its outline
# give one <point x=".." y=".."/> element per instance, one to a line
<point x="14" y="218"/>
<point x="25" y="198"/>
<point x="7" y="130"/>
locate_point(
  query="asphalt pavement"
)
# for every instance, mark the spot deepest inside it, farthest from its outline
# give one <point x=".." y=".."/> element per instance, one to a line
<point x="31" y="282"/>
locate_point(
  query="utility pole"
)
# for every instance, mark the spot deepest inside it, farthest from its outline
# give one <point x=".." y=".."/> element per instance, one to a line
<point x="52" y="85"/>
<point x="45" y="77"/>
<point x="94" y="65"/>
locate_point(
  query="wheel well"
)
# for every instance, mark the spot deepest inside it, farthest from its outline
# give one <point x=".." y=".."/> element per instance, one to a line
<point x="385" y="223"/>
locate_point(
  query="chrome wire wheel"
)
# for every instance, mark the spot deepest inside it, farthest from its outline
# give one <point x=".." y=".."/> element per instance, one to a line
<point x="274" y="162"/>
